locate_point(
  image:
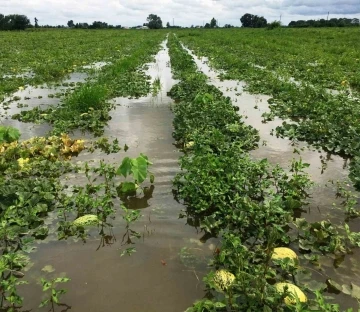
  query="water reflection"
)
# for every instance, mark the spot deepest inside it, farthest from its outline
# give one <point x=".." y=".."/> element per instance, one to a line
<point x="324" y="167"/>
<point x="102" y="280"/>
<point x="134" y="201"/>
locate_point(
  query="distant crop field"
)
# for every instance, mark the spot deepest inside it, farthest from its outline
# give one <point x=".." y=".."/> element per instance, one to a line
<point x="325" y="57"/>
<point x="34" y="57"/>
<point x="312" y="76"/>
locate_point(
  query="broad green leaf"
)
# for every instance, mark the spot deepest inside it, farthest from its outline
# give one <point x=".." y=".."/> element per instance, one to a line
<point x="139" y="169"/>
<point x="128" y="251"/>
<point x="125" y="167"/>
<point x="147" y="158"/>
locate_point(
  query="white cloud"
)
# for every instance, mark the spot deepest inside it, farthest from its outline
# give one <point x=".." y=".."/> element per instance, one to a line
<point x="185" y="12"/>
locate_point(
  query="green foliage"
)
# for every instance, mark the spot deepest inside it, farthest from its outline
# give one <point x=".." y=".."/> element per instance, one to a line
<point x="273" y="25"/>
<point x="58" y="53"/>
<point x="247" y="203"/>
<point x="154" y="21"/>
<point x="332" y="22"/>
<point x="30" y="189"/>
<point x="14" y="22"/>
<point x="88" y="96"/>
<point x="138" y="168"/>
<point x="53" y="294"/>
<point x="253" y="21"/>
<point x="87" y="108"/>
<point x="9" y="134"/>
<point x="293" y="67"/>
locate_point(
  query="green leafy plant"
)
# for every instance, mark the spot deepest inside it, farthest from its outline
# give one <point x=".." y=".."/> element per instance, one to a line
<point x="138" y="169"/>
<point x="53" y="294"/>
<point x="8" y="134"/>
<point x="248" y="203"/>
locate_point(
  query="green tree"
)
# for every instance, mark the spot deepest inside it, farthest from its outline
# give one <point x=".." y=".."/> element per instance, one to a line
<point x="273" y="25"/>
<point x="36" y="23"/>
<point x="2" y="21"/>
<point x="168" y="25"/>
<point x="70" y="23"/>
<point x="98" y="25"/>
<point x="16" y="22"/>
<point x="253" y="21"/>
<point x="154" y="21"/>
<point x="213" y="23"/>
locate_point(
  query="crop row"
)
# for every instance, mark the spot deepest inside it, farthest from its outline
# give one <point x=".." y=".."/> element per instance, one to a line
<point x="31" y="172"/>
<point x="323" y="118"/>
<point x="323" y="57"/>
<point x="87" y="108"/>
<point x="248" y="203"/>
<point x="32" y="58"/>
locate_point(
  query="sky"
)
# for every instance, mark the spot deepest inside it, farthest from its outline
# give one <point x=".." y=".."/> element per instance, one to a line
<point x="184" y="12"/>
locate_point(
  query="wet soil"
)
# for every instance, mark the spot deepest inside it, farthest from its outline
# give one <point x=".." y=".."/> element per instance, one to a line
<point x="323" y="168"/>
<point x="165" y="273"/>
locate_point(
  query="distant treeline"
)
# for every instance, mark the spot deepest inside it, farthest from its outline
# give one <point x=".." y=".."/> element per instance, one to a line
<point x="21" y="22"/>
<point x="333" y="22"/>
<point x="14" y="22"/>
<point x="94" y="25"/>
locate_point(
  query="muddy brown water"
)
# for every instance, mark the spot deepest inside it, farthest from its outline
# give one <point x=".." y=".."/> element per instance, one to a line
<point x="41" y="96"/>
<point x="281" y="151"/>
<point x="165" y="273"/>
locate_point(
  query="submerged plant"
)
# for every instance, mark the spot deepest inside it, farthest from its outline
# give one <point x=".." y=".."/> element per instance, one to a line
<point x="52" y="293"/>
<point x="248" y="203"/>
<point x="156" y="86"/>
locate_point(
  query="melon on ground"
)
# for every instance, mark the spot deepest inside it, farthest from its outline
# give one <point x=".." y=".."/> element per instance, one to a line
<point x="293" y="290"/>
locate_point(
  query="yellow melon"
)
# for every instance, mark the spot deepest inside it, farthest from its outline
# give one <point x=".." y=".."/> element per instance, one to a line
<point x="294" y="291"/>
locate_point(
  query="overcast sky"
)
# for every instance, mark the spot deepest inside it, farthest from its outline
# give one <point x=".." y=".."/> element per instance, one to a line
<point x="185" y="12"/>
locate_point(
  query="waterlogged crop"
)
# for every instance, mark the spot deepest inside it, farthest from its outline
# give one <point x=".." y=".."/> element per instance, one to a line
<point x="53" y="294"/>
<point x="248" y="203"/>
<point x="313" y="81"/>
<point x="295" y="293"/>
<point x="86" y="220"/>
<point x="8" y="134"/>
<point x="30" y="189"/>
<point x="88" y="106"/>
<point x="32" y="58"/>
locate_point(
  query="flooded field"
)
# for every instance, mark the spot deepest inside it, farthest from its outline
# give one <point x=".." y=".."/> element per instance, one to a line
<point x="166" y="258"/>
<point x="170" y="259"/>
<point x="324" y="168"/>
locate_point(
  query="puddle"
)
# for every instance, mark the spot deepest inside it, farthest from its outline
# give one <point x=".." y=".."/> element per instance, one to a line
<point x="41" y="96"/>
<point x="26" y="74"/>
<point x="165" y="274"/>
<point x="323" y="167"/>
<point x="96" y="65"/>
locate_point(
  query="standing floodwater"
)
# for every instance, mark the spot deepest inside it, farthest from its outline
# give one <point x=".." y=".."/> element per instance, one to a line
<point x="323" y="168"/>
<point x="165" y="272"/>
